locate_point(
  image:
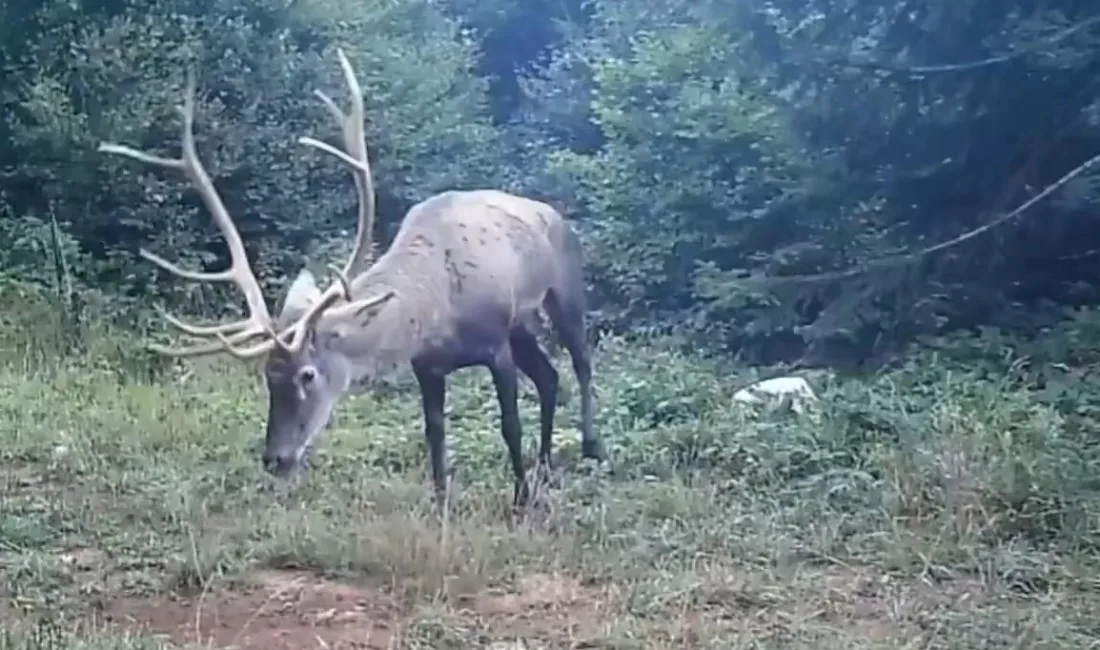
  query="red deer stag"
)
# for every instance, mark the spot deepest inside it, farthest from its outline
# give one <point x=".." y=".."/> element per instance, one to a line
<point x="465" y="273"/>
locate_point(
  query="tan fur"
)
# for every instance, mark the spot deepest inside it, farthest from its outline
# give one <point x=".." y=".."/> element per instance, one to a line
<point x="476" y="253"/>
<point x="300" y="296"/>
<point x="461" y="285"/>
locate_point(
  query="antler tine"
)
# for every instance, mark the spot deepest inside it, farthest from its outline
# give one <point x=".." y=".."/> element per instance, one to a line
<point x="222" y="344"/>
<point x="355" y="142"/>
<point x="258" y="322"/>
<point x="239" y="271"/>
<point x="226" y="340"/>
<point x="203" y="331"/>
<point x="343" y="279"/>
<point x="355" y="155"/>
<point x="304" y="324"/>
<point x="189" y="351"/>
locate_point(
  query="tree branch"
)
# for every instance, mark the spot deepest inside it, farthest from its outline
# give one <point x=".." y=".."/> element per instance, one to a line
<point x="898" y="260"/>
<point x="915" y="71"/>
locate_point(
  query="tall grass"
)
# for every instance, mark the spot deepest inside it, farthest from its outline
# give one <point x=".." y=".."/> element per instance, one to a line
<point x="959" y="508"/>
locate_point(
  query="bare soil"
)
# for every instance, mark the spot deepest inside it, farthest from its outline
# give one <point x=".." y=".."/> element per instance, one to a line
<point x="293" y="610"/>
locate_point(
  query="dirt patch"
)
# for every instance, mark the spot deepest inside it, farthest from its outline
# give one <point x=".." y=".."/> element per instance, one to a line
<point x="285" y="610"/>
<point x="280" y="610"/>
<point x="884" y="606"/>
<point x="273" y="611"/>
<point x="543" y="606"/>
<point x="832" y="605"/>
<point x="24" y="480"/>
<point x="83" y="559"/>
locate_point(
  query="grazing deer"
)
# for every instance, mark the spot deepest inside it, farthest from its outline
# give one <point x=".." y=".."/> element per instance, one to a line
<point x="464" y="275"/>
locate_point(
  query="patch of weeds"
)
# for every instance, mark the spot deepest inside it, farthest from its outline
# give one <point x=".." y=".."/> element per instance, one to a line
<point x="925" y="503"/>
<point x="52" y="634"/>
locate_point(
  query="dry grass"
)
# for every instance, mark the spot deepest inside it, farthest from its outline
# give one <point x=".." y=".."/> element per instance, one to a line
<point x="916" y="510"/>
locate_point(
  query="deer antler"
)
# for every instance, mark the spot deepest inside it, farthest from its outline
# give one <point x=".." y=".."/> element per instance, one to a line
<point x="229" y="335"/>
<point x="355" y="155"/>
<point x="233" y="337"/>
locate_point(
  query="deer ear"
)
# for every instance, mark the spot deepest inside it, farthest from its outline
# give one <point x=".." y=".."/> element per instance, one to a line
<point x="303" y="292"/>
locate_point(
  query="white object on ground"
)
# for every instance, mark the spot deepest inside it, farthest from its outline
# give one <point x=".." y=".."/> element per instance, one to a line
<point x="777" y="388"/>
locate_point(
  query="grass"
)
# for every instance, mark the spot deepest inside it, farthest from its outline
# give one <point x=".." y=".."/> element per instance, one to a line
<point x="923" y="508"/>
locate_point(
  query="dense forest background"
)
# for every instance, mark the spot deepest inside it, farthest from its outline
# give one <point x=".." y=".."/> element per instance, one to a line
<point x="777" y="180"/>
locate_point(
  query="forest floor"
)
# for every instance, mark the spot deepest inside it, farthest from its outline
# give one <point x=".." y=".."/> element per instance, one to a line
<point x="135" y="515"/>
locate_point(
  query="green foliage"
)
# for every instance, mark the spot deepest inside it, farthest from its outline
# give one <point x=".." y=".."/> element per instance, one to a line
<point x="708" y="147"/>
<point x="712" y="147"/>
<point x="697" y="166"/>
<point x="123" y="488"/>
<point x="427" y="125"/>
<point x="705" y="147"/>
<point x="51" y="634"/>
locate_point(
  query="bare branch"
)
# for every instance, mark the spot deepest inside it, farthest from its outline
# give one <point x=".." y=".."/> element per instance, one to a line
<point x="970" y="65"/>
<point x="890" y="262"/>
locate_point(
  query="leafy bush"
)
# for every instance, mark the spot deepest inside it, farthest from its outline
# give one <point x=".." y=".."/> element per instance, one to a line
<point x="696" y="162"/>
<point x="427" y="122"/>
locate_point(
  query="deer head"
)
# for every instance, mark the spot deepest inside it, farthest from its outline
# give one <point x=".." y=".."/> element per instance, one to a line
<point x="304" y="372"/>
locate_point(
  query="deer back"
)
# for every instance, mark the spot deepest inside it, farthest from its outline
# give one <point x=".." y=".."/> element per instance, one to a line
<point x="485" y="249"/>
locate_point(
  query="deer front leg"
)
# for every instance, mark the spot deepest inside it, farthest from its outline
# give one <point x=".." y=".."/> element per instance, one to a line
<point x="433" y="395"/>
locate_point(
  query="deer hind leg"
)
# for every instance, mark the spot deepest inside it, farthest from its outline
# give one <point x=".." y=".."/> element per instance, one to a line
<point x="566" y="311"/>
<point x="506" y="380"/>
<point x="531" y="360"/>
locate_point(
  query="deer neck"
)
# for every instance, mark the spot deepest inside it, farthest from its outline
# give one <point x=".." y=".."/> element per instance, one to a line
<point x="402" y="327"/>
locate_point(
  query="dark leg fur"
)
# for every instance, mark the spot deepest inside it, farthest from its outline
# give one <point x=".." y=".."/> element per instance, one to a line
<point x="433" y="394"/>
<point x="506" y="381"/>
<point x="567" y="313"/>
<point x="533" y="363"/>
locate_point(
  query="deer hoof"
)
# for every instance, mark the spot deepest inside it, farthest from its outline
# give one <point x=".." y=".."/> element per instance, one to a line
<point x="593" y="449"/>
